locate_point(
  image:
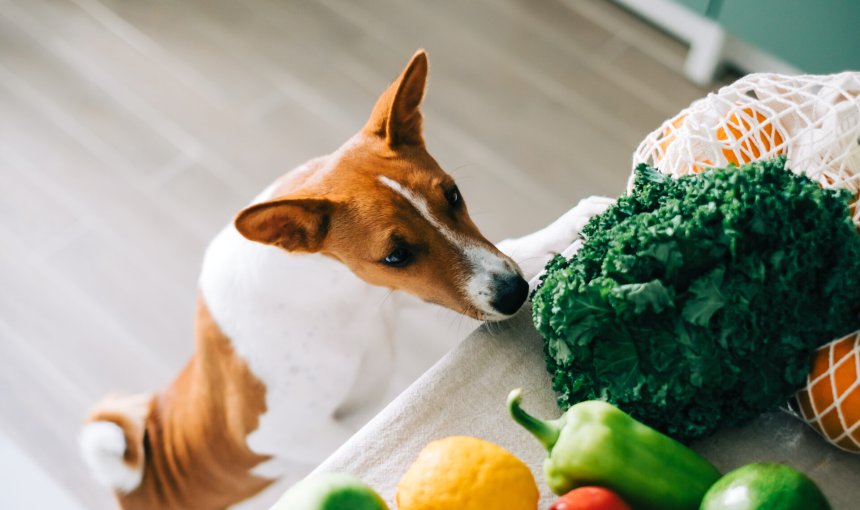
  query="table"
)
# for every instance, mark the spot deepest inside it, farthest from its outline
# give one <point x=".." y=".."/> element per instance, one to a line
<point x="465" y="393"/>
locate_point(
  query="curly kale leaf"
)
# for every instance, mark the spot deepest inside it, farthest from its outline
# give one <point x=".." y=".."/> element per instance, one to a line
<point x="697" y="302"/>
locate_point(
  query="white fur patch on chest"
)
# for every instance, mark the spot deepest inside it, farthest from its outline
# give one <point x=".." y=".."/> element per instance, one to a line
<point x="294" y="319"/>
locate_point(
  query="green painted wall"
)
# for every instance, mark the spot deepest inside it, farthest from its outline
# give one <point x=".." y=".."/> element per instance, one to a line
<point x="700" y="6"/>
<point x="816" y="36"/>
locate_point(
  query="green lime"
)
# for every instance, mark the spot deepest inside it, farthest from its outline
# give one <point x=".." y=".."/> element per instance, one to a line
<point x="330" y="491"/>
<point x="764" y="487"/>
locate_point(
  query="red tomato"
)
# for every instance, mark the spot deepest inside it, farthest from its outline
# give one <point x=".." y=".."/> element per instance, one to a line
<point x="590" y="498"/>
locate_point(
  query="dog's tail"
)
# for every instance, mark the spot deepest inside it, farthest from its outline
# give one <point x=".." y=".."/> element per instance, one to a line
<point x="112" y="441"/>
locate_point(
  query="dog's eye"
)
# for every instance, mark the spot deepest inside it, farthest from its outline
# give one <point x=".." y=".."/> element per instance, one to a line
<point x="453" y="196"/>
<point x="399" y="257"/>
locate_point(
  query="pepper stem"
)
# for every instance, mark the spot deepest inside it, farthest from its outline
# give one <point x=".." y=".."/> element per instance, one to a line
<point x="546" y="432"/>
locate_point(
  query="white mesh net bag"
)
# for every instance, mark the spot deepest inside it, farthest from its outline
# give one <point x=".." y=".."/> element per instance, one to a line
<point x="830" y="402"/>
<point x="813" y="120"/>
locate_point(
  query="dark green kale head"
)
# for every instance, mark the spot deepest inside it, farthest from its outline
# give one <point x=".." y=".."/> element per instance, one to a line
<point x="696" y="302"/>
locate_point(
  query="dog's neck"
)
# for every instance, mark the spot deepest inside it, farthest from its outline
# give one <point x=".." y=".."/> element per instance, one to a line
<point x="282" y="312"/>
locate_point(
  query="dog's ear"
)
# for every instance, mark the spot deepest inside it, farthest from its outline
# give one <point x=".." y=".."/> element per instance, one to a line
<point x="396" y="116"/>
<point x="295" y="224"/>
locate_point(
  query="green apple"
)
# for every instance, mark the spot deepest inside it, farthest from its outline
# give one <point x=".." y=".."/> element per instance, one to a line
<point x="330" y="491"/>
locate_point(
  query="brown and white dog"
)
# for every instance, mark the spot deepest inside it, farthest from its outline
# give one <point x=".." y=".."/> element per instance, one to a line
<point x="289" y="342"/>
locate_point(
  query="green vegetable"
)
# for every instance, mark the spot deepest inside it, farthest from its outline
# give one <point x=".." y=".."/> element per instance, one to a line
<point x="330" y="491"/>
<point x="697" y="302"/>
<point x="764" y="487"/>
<point x="595" y="443"/>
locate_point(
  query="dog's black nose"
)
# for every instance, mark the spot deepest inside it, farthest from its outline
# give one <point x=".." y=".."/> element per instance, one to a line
<point x="511" y="293"/>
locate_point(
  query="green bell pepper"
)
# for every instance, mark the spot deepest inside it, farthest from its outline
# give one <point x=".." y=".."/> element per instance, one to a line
<point x="595" y="443"/>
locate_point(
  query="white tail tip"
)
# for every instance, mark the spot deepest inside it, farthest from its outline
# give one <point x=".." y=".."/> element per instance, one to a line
<point x="103" y="445"/>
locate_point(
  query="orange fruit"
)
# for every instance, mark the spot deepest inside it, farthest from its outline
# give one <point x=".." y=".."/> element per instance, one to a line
<point x="704" y="165"/>
<point x="740" y="138"/>
<point x="668" y="135"/>
<point x="830" y="401"/>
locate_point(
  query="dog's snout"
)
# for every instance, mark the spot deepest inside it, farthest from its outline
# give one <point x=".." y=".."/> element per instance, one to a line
<point x="511" y="292"/>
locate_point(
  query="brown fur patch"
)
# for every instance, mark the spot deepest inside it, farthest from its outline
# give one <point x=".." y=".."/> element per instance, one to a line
<point x="195" y="432"/>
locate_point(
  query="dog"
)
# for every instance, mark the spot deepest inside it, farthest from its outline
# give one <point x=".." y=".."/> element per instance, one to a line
<point x="290" y="335"/>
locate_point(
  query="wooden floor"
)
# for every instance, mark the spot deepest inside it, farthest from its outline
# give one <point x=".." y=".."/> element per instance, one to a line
<point x="131" y="131"/>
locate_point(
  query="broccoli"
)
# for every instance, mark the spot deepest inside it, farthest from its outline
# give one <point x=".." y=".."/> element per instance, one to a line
<point x="696" y="303"/>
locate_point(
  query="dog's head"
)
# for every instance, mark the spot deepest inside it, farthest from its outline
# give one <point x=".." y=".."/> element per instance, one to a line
<point x="385" y="208"/>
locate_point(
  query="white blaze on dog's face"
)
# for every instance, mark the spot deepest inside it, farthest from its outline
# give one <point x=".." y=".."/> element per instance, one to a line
<point x="383" y="207"/>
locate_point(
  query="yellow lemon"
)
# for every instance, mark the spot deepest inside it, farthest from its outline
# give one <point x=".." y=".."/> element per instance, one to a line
<point x="466" y="473"/>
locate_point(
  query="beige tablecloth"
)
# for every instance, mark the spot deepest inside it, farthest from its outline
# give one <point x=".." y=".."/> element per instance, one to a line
<point x="465" y="392"/>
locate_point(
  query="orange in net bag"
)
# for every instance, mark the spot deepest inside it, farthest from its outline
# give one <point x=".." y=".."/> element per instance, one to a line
<point x="830" y="402"/>
<point x="740" y="139"/>
<point x="812" y="119"/>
